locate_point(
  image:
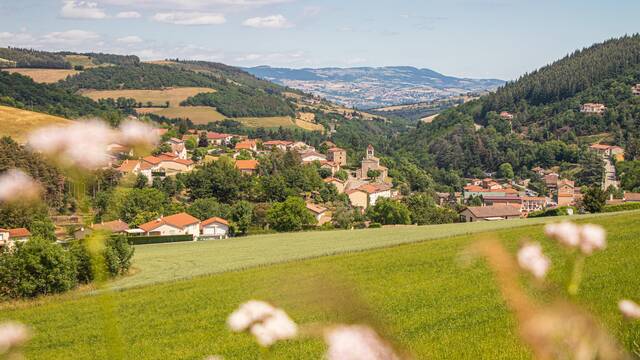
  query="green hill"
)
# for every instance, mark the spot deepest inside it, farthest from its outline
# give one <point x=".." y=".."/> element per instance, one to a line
<point x="548" y="128"/>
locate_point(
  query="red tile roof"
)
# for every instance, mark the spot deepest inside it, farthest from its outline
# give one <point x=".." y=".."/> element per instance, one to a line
<point x="374" y="188"/>
<point x="19" y="232"/>
<point x="217" y="136"/>
<point x="494" y="211"/>
<point x="113" y="226"/>
<point x="246" y="164"/>
<point x="317" y="209"/>
<point x="128" y="166"/>
<point x="277" y="142"/>
<point x="335" y="149"/>
<point x="214" y="220"/>
<point x="180" y="221"/>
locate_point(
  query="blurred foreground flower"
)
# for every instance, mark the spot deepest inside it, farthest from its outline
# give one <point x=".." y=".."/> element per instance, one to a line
<point x="267" y="323"/>
<point x="16" y="185"/>
<point x="531" y="258"/>
<point x="629" y="309"/>
<point x="12" y="335"/>
<point x="84" y="144"/>
<point x="137" y="134"/>
<point x="356" y="342"/>
<point x="588" y="238"/>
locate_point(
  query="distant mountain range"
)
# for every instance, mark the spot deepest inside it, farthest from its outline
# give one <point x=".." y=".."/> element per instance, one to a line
<point x="373" y="87"/>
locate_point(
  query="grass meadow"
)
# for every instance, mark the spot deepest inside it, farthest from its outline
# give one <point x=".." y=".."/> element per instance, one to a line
<point x="435" y="301"/>
<point x="157" y="97"/>
<point x="199" y="115"/>
<point x="46" y="76"/>
<point x="18" y="123"/>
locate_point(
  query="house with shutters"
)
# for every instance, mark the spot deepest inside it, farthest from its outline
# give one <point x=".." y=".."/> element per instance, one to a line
<point x="177" y="224"/>
<point x="337" y="155"/>
<point x="214" y="228"/>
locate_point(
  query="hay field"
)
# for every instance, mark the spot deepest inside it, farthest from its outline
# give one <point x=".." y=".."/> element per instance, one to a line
<point x="199" y="115"/>
<point x="18" y="123"/>
<point x="157" y="97"/>
<point x="45" y="76"/>
<point x="267" y="122"/>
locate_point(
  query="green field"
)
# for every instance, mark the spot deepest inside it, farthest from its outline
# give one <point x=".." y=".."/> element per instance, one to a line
<point x="435" y="304"/>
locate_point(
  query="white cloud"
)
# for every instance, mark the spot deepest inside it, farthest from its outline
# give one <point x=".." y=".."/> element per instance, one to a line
<point x="70" y="37"/>
<point x="128" y="15"/>
<point x="190" y="18"/>
<point x="268" y="22"/>
<point x="129" y="40"/>
<point x="74" y="9"/>
<point x="21" y="39"/>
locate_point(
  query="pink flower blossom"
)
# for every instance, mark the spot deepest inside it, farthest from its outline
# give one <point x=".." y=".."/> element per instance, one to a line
<point x="567" y="233"/>
<point x="83" y="144"/>
<point x="531" y="258"/>
<point x="16" y="185"/>
<point x="356" y="342"/>
<point x="592" y="237"/>
<point x="265" y="322"/>
<point x="12" y="335"/>
<point x="629" y="309"/>
<point x="137" y="133"/>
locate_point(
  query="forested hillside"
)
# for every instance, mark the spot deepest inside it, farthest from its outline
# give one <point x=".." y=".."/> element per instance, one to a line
<point x="548" y="128"/>
<point x="26" y="58"/>
<point x="237" y="95"/>
<point x="22" y="92"/>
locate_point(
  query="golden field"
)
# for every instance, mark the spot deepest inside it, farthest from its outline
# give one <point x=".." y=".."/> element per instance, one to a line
<point x="157" y="97"/>
<point x="267" y="122"/>
<point x="18" y="123"/>
<point x="199" y="115"/>
<point x="46" y="76"/>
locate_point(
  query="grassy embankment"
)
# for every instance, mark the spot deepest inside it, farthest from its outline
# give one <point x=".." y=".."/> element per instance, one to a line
<point x="18" y="123"/>
<point x="434" y="302"/>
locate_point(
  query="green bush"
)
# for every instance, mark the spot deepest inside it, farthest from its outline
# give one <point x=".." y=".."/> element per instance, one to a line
<point x="621" y="207"/>
<point x="145" y="240"/>
<point x="118" y="254"/>
<point x="36" y="267"/>
<point x="375" y="225"/>
<point x="561" y="211"/>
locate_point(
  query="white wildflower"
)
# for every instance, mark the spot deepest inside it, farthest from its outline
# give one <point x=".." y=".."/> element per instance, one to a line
<point x="12" y="335"/>
<point x="592" y="237"/>
<point x="531" y="258"/>
<point x="136" y="133"/>
<point x="249" y="313"/>
<point x="356" y="342"/>
<point x="16" y="185"/>
<point x="83" y="144"/>
<point x="265" y="322"/>
<point x="629" y="309"/>
<point x="567" y="233"/>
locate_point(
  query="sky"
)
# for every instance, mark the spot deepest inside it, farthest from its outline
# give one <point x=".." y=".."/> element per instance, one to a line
<point x="469" y="38"/>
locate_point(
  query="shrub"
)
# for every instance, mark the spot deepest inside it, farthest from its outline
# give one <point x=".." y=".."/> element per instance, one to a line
<point x="621" y="207"/>
<point x="561" y="211"/>
<point x="118" y="254"/>
<point x="375" y="225"/>
<point x="37" y="267"/>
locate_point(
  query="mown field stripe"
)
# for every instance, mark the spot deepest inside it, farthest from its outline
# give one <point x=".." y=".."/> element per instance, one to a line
<point x="170" y="262"/>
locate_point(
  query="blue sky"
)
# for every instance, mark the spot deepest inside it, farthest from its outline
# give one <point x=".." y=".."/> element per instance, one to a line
<point x="472" y="38"/>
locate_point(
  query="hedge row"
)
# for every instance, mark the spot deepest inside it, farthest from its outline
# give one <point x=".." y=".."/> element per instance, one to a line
<point x="146" y="240"/>
<point x="622" y="207"/>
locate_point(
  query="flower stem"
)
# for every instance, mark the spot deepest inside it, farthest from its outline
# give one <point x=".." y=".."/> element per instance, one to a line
<point x="576" y="275"/>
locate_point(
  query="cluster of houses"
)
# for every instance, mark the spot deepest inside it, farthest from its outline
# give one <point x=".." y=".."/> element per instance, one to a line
<point x="172" y="225"/>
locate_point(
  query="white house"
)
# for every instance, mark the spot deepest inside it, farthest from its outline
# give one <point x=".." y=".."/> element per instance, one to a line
<point x="178" y="224"/>
<point x="311" y="156"/>
<point x="11" y="236"/>
<point x="319" y="213"/>
<point x="178" y="148"/>
<point x="214" y="228"/>
<point x="376" y="191"/>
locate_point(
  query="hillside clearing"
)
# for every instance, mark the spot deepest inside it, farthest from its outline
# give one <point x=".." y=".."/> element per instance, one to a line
<point x="157" y="97"/>
<point x="433" y="304"/>
<point x="45" y="76"/>
<point x="267" y="122"/>
<point x="199" y="115"/>
<point x="167" y="262"/>
<point x="18" y="123"/>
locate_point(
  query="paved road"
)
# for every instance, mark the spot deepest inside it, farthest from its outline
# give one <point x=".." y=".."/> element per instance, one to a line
<point x="610" y="177"/>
